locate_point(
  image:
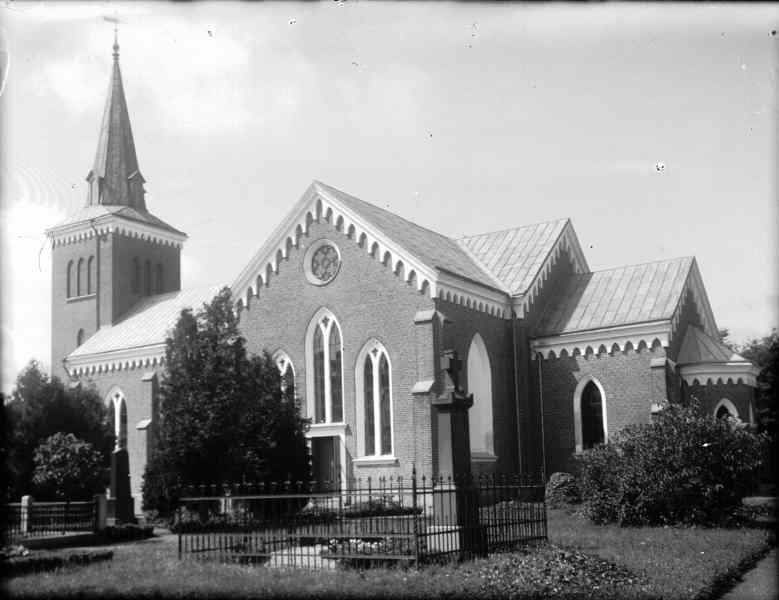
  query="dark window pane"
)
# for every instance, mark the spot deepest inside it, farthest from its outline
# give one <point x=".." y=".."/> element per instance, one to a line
<point x="319" y="376"/>
<point x="370" y="436"/>
<point x="147" y="278"/>
<point x="335" y="375"/>
<point x="288" y="384"/>
<point x="384" y="400"/>
<point x="592" y="416"/>
<point x="123" y="426"/>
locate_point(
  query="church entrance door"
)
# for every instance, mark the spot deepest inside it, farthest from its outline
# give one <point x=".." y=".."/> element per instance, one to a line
<point x="326" y="462"/>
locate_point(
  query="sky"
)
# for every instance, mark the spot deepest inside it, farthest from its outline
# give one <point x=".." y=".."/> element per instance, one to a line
<point x="653" y="127"/>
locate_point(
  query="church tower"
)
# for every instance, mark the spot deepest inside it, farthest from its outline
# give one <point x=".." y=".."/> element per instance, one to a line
<point x="113" y="253"/>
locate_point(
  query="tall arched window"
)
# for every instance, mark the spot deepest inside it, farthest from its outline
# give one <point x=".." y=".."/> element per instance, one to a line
<point x="287" y="372"/>
<point x="589" y="412"/>
<point x="147" y="278"/>
<point x="71" y="281"/>
<point x="79" y="337"/>
<point x="159" y="281"/>
<point x="324" y="363"/>
<point x="117" y="408"/>
<point x="91" y="275"/>
<point x="374" y="400"/>
<point x="480" y="385"/>
<point x="136" y="280"/>
<point x="80" y="277"/>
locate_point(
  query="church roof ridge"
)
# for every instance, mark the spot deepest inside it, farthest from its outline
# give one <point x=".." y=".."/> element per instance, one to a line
<point x="507" y="229"/>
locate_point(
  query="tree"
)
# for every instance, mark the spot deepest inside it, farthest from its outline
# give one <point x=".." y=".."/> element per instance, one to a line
<point x="40" y="407"/>
<point x="67" y="468"/>
<point x="764" y="353"/>
<point x="224" y="416"/>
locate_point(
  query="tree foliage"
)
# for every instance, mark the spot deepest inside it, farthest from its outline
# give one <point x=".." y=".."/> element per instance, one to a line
<point x="41" y="406"/>
<point x="67" y="468"/>
<point x="684" y="467"/>
<point x="223" y="414"/>
<point x="764" y="352"/>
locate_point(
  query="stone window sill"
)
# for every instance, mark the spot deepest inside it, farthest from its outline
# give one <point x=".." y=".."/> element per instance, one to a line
<point x="375" y="461"/>
<point x="80" y="298"/>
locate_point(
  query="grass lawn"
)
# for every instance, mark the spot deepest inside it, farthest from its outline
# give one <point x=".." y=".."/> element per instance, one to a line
<point x="581" y="561"/>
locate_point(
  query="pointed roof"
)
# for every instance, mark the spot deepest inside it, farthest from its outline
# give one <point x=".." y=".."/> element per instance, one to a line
<point x="613" y="297"/>
<point x="515" y="256"/>
<point x="115" y="177"/>
<point x="698" y="347"/>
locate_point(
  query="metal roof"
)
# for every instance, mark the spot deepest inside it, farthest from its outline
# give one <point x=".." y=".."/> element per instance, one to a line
<point x="698" y="347"/>
<point x="147" y="323"/>
<point x="630" y="294"/>
<point x="430" y="247"/>
<point x="514" y="256"/>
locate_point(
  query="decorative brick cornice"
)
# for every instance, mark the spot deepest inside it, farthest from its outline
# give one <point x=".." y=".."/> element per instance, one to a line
<point x="116" y="360"/>
<point x="318" y="205"/>
<point x="105" y="224"/>
<point x="719" y="373"/>
<point x="598" y="341"/>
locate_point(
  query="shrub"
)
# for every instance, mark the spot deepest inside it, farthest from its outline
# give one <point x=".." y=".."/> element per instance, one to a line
<point x="67" y="468"/>
<point x="684" y="467"/>
<point x="562" y="490"/>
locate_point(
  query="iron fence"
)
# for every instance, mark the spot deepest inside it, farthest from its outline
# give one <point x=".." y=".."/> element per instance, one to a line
<point x="361" y="523"/>
<point x="41" y="519"/>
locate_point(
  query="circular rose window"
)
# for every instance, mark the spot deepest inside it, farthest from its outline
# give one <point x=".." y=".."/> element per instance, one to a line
<point x="322" y="262"/>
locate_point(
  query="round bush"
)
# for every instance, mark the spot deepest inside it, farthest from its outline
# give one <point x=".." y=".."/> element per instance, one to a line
<point x="562" y="490"/>
<point x="684" y="467"/>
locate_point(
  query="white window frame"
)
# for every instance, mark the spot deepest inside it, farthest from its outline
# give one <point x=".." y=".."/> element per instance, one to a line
<point x="478" y="347"/>
<point x="367" y="353"/>
<point x="319" y="321"/>
<point x="728" y="405"/>
<point x="117" y="398"/>
<point x="577" y="411"/>
<point x="283" y="363"/>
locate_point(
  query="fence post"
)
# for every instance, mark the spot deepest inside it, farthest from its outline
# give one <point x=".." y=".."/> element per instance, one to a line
<point x="101" y="512"/>
<point x="415" y="515"/>
<point x="25" y="524"/>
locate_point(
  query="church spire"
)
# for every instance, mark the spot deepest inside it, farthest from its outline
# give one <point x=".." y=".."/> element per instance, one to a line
<point x="115" y="177"/>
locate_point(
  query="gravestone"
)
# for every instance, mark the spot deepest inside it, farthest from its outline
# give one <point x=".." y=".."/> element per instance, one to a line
<point x="124" y="509"/>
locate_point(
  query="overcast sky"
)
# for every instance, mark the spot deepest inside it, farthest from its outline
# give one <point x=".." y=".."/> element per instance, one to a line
<point x="464" y="118"/>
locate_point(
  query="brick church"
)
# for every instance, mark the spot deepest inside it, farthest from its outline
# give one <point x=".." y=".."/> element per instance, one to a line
<point x="360" y="307"/>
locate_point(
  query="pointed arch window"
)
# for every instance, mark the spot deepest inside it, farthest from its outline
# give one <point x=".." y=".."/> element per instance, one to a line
<point x="480" y="425"/>
<point x="159" y="280"/>
<point x="136" y="280"/>
<point x="725" y="409"/>
<point x="147" y="278"/>
<point x="117" y="409"/>
<point x="287" y="372"/>
<point x="71" y="281"/>
<point x="324" y="352"/>
<point x="374" y="400"/>
<point x="91" y="275"/>
<point x="80" y="277"/>
<point x="589" y="411"/>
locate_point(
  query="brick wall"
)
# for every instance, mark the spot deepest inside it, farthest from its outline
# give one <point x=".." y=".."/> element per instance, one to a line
<point x="741" y="395"/>
<point x="626" y="380"/>
<point x="140" y="398"/>
<point x="368" y="301"/>
<point x="496" y="333"/>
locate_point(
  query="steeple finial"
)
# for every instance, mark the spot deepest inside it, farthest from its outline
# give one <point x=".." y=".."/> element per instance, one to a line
<point x="116" y="40"/>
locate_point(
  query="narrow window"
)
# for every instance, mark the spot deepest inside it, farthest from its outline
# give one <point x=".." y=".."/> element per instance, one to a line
<point x="147" y="278"/>
<point x="287" y="372"/>
<point x="159" y="279"/>
<point x="136" y="281"/>
<point x="479" y="372"/>
<point x="80" y="277"/>
<point x="374" y="412"/>
<point x="319" y="377"/>
<point x="370" y="433"/>
<point x="117" y="409"/>
<point x="70" y="281"/>
<point x="91" y="275"/>
<point x="324" y="360"/>
<point x="79" y="337"/>
<point x="592" y="416"/>
<point x="336" y="397"/>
